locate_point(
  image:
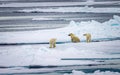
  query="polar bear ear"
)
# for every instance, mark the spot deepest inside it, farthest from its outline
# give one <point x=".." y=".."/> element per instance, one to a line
<point x="71" y="33"/>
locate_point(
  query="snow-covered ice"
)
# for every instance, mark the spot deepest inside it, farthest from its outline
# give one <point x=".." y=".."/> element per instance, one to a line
<point x="105" y="30"/>
<point x="74" y="9"/>
<point x="41" y="54"/>
<point x="25" y="56"/>
<point x="102" y="54"/>
<point x="95" y="73"/>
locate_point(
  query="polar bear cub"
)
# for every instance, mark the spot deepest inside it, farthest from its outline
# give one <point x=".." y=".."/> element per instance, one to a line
<point x="52" y="42"/>
<point x="88" y="37"/>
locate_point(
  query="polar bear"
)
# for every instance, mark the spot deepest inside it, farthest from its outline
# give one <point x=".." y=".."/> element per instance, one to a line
<point x="88" y="37"/>
<point x="52" y="43"/>
<point x="74" y="38"/>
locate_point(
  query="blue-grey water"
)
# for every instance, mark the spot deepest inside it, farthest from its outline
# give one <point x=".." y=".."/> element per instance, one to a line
<point x="55" y="19"/>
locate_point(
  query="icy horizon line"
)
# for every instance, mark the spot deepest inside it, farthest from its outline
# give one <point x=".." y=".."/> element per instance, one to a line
<point x="29" y="4"/>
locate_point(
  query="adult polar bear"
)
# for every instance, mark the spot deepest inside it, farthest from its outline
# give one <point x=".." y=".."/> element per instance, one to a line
<point x="74" y="38"/>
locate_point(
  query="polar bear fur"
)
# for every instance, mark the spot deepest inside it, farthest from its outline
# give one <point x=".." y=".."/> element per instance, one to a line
<point x="52" y="43"/>
<point x="88" y="37"/>
<point x="74" y="38"/>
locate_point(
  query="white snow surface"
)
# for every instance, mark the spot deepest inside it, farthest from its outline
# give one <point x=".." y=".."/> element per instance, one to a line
<point x="108" y="29"/>
<point x="95" y="73"/>
<point x="74" y="9"/>
<point x="22" y="55"/>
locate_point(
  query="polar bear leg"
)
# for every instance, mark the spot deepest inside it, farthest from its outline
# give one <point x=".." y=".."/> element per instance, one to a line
<point x="50" y="45"/>
<point x="54" y="45"/>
